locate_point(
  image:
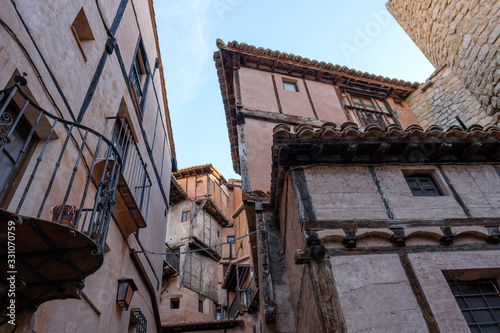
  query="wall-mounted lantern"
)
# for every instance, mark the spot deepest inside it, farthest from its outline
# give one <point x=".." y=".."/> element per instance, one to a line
<point x="126" y="289"/>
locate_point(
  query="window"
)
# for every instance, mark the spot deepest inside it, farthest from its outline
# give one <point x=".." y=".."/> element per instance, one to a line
<point x="479" y="302"/>
<point x="218" y="233"/>
<point x="423" y="185"/>
<point x="230" y="239"/>
<point x="290" y="86"/>
<point x="186" y="216"/>
<point x="82" y="32"/>
<point x="138" y="75"/>
<point x="366" y="110"/>
<point x="399" y="105"/>
<point x="200" y="306"/>
<point x="174" y="303"/>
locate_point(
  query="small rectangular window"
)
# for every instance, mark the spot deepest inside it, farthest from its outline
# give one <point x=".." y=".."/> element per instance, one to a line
<point x="186" y="216"/>
<point x="200" y="306"/>
<point x="174" y="303"/>
<point x="399" y="105"/>
<point x="423" y="185"/>
<point x="230" y="239"/>
<point x="479" y="302"/>
<point x="290" y="86"/>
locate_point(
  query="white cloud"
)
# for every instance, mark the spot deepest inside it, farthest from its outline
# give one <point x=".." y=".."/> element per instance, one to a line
<point x="183" y="30"/>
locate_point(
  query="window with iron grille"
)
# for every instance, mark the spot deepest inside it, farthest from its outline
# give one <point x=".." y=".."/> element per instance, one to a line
<point x="423" y="185"/>
<point x="186" y="216"/>
<point x="138" y="320"/>
<point x="200" y="306"/>
<point x="480" y="304"/>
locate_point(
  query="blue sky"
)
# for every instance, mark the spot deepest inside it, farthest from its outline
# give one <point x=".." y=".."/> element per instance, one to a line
<point x="360" y="34"/>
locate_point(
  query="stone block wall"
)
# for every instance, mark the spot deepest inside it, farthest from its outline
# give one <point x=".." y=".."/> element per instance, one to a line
<point x="443" y="97"/>
<point x="465" y="35"/>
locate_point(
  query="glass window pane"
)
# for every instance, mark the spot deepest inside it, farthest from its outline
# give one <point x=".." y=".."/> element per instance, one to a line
<point x="493" y="328"/>
<point x="468" y="317"/>
<point x="461" y="303"/>
<point x="497" y="314"/>
<point x="469" y="289"/>
<point x="493" y="300"/>
<point x="476" y="302"/>
<point x="483" y="316"/>
<point x="487" y="288"/>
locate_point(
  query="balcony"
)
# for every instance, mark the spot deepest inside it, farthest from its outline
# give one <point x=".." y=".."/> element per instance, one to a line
<point x="171" y="263"/>
<point x="55" y="206"/>
<point x="134" y="184"/>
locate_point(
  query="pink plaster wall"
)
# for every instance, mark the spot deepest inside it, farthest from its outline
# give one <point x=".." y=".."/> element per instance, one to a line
<point x="407" y="206"/>
<point x="257" y="90"/>
<point x="431" y="269"/>
<point x="478" y="187"/>
<point x="259" y="138"/>
<point x="344" y="192"/>
<point x="295" y="103"/>
<point x="375" y="294"/>
<point x="326" y="102"/>
<point x="405" y="115"/>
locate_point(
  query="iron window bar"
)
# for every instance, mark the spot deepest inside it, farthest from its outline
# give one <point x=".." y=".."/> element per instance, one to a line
<point x="479" y="302"/>
<point x="142" y="323"/>
<point x="134" y="168"/>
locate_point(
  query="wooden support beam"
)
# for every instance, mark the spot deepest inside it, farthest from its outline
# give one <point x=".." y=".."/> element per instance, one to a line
<point x="440" y="151"/>
<point x="266" y="283"/>
<point x="397" y="223"/>
<point x="315" y="151"/>
<point x="349" y="152"/>
<point x="326" y="297"/>
<point x="471" y="150"/>
<point x="379" y="153"/>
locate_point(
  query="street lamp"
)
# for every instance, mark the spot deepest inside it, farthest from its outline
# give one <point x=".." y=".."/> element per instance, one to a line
<point x="126" y="288"/>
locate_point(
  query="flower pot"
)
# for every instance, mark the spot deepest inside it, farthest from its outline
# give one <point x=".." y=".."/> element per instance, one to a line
<point x="68" y="216"/>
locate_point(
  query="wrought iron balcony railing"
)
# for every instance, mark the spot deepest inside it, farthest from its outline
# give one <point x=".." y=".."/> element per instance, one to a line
<point x="51" y="188"/>
<point x="134" y="173"/>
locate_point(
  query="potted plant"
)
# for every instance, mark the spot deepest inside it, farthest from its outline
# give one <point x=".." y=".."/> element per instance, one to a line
<point x="69" y="214"/>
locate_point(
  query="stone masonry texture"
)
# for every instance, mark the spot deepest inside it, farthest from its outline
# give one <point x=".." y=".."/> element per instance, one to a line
<point x="463" y="36"/>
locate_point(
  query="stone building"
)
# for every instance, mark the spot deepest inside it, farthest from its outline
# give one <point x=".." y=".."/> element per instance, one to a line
<point x="462" y="41"/>
<point x="365" y="221"/>
<point x="208" y="279"/>
<point x="86" y="151"/>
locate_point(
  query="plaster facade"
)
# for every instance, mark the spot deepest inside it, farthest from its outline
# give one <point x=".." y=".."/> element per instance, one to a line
<point x="328" y="166"/>
<point x="77" y="58"/>
<point x="211" y="259"/>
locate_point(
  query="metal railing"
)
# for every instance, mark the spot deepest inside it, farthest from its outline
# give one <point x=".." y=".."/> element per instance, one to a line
<point x="54" y="176"/>
<point x="134" y="170"/>
<point x="141" y="323"/>
<point x="367" y="117"/>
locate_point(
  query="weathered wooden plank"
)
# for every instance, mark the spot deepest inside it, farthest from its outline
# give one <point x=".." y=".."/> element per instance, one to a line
<point x="307" y="212"/>
<point x="381" y="192"/>
<point x="333" y="252"/>
<point x="266" y="284"/>
<point x="396" y="223"/>
<point x="419" y="293"/>
<point x="326" y="296"/>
